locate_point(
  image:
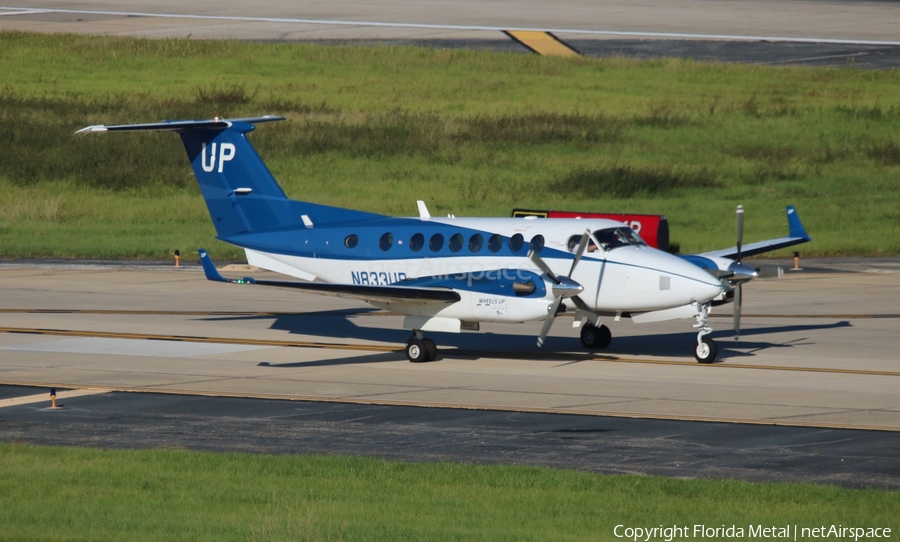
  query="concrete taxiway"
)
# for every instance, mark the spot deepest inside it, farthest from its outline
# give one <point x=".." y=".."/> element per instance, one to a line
<point x="818" y="349"/>
<point x="461" y="19"/>
<point x="824" y="33"/>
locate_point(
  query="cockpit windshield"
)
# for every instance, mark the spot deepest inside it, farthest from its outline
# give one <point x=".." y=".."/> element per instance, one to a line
<point x="623" y="236"/>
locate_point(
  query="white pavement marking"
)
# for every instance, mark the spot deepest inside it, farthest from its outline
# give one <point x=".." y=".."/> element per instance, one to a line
<point x="677" y="35"/>
<point x="24" y="12"/>
<point x="45" y="397"/>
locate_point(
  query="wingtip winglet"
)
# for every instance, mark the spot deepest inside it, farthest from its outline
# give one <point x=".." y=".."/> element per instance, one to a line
<point x="795" y="226"/>
<point x="209" y="268"/>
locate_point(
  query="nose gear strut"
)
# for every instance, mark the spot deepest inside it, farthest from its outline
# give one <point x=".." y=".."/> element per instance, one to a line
<point x="706" y="350"/>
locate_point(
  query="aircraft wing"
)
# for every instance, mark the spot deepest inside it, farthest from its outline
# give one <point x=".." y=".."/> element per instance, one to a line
<point x="383" y="294"/>
<point x="796" y="235"/>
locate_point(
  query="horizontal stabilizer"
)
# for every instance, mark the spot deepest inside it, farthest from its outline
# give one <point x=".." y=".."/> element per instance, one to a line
<point x="177" y="125"/>
<point x="240" y="192"/>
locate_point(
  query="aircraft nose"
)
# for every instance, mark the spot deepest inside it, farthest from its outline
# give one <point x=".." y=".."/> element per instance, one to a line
<point x="702" y="285"/>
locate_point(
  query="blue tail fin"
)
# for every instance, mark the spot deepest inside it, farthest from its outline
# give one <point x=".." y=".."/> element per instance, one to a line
<point x="240" y="192"/>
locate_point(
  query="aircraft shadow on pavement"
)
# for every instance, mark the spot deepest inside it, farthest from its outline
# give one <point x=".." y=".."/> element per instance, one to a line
<point x="355" y="360"/>
<point x="670" y="344"/>
<point x="341" y="324"/>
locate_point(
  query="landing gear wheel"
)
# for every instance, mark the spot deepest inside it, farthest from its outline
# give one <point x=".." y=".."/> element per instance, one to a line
<point x="431" y="348"/>
<point x="593" y="337"/>
<point x="706" y="350"/>
<point x="416" y="351"/>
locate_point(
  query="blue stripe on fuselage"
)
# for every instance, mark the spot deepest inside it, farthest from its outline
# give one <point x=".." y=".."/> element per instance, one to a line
<point x="328" y="241"/>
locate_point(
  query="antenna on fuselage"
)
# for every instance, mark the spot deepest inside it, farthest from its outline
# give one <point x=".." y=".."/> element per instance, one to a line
<point x="423" y="210"/>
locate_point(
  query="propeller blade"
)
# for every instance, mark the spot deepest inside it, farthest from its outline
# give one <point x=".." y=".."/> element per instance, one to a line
<point x="532" y="255"/>
<point x="549" y="321"/>
<point x="739" y="219"/>
<point x="578" y="252"/>
<point x="737" y="311"/>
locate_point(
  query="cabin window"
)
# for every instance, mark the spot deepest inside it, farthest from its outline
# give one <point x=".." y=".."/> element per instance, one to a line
<point x="495" y="243"/>
<point x="351" y="241"/>
<point x="537" y="243"/>
<point x="436" y="242"/>
<point x="386" y="241"/>
<point x="572" y="243"/>
<point x="416" y="242"/>
<point x="516" y="242"/>
<point x="456" y="242"/>
<point x="476" y="242"/>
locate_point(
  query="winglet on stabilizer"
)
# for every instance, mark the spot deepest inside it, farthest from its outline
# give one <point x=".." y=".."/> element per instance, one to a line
<point x="209" y="268"/>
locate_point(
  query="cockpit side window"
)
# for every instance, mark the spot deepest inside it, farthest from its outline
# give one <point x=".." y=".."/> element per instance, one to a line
<point x="610" y="238"/>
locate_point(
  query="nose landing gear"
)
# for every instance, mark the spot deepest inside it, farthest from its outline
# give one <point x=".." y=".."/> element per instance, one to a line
<point x="706" y="350"/>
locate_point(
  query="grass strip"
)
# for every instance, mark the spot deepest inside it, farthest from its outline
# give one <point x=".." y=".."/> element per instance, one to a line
<point x="470" y="132"/>
<point x="49" y="493"/>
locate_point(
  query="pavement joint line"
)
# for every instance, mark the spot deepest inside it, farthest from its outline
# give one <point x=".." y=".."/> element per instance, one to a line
<point x="725" y="37"/>
<point x="45" y="397"/>
<point x="445" y="352"/>
<point x="456" y="406"/>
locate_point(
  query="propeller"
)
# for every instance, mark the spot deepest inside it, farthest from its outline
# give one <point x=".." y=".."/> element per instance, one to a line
<point x="736" y="315"/>
<point x="563" y="287"/>
<point x="738" y="272"/>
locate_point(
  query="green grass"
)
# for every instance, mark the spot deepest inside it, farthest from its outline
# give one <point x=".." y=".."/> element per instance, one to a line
<point x="52" y="494"/>
<point x="470" y="132"/>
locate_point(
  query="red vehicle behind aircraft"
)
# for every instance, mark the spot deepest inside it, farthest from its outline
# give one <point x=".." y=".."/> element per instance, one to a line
<point x="654" y="229"/>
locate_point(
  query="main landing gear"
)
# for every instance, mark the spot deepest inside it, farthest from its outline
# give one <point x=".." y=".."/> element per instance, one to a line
<point x="419" y="349"/>
<point x="706" y="350"/>
<point x="595" y="337"/>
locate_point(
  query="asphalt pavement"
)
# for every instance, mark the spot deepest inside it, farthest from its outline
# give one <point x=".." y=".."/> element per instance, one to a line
<point x="591" y="443"/>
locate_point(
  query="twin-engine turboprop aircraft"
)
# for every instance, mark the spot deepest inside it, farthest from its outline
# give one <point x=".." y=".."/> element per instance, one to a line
<point x="446" y="274"/>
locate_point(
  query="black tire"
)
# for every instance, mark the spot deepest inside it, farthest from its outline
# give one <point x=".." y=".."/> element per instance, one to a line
<point x="594" y="338"/>
<point x="431" y="347"/>
<point x="416" y="352"/>
<point x="706" y="351"/>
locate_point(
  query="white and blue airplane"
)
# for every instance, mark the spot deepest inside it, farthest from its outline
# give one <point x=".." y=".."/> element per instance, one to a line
<point x="450" y="274"/>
